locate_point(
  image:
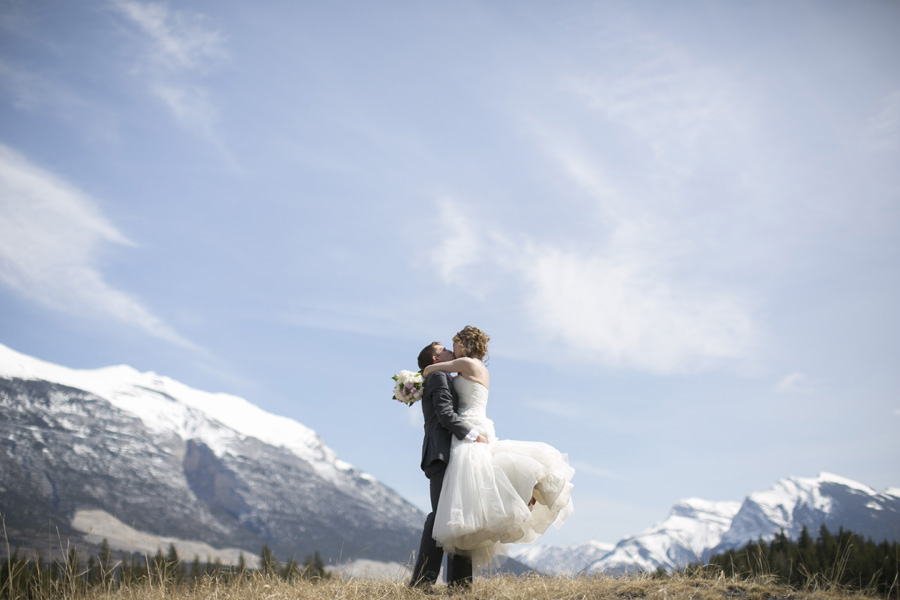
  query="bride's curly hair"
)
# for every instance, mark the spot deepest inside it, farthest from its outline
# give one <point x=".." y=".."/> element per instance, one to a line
<point x="473" y="341"/>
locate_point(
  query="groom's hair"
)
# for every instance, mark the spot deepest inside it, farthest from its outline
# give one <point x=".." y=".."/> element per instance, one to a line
<point x="426" y="356"/>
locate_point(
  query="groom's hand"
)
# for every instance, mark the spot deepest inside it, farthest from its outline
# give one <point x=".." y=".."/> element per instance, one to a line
<point x="481" y="439"/>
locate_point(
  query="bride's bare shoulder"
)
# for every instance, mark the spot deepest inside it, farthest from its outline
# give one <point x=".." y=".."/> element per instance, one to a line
<point x="476" y="371"/>
<point x="471" y="361"/>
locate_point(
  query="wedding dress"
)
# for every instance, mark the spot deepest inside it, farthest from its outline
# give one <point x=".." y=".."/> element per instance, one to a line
<point x="498" y="493"/>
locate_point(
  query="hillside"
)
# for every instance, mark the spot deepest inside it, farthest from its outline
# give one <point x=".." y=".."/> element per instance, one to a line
<point x="164" y="460"/>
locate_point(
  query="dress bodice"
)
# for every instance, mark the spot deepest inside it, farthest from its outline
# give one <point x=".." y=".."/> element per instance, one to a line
<point x="472" y="397"/>
<point x="473" y="406"/>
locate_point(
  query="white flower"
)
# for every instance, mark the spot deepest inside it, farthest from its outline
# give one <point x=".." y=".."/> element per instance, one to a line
<point x="408" y="387"/>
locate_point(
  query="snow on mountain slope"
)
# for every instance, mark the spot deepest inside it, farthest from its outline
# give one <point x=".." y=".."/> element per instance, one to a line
<point x="168" y="406"/>
<point x="176" y="462"/>
<point x="561" y="560"/>
<point x="213" y="468"/>
<point x="697" y="529"/>
<point x="691" y="529"/>
<point x="796" y="502"/>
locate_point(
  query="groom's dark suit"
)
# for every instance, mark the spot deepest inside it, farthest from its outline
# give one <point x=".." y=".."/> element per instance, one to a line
<point x="439" y="406"/>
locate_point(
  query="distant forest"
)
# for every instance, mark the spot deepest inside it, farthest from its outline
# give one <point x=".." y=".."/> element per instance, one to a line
<point x="844" y="559"/>
<point x="26" y="577"/>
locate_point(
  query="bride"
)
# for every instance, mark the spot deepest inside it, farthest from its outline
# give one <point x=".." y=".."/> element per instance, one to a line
<point x="498" y="493"/>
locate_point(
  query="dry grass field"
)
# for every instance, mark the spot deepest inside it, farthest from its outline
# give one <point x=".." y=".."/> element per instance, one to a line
<point x="639" y="587"/>
<point x="155" y="579"/>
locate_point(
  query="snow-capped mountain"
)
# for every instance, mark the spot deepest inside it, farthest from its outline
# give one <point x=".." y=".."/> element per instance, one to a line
<point x="697" y="529"/>
<point x="174" y="461"/>
<point x="561" y="560"/>
<point x="685" y="537"/>
<point x="795" y="502"/>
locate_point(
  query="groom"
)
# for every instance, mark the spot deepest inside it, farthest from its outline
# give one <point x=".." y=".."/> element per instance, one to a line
<point x="439" y="405"/>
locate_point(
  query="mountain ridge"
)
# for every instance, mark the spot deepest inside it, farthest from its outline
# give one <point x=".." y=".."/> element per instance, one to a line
<point x="697" y="529"/>
<point x="168" y="458"/>
<point x="144" y="449"/>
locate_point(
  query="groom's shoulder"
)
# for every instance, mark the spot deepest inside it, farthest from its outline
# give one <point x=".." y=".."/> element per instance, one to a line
<point x="438" y="378"/>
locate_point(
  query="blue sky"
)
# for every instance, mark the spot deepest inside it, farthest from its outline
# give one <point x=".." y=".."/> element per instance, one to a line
<point x="679" y="222"/>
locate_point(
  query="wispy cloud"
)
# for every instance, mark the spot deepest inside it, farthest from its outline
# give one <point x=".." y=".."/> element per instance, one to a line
<point x="883" y="131"/>
<point x="795" y="383"/>
<point x="636" y="282"/>
<point x="32" y="92"/>
<point x="460" y="244"/>
<point x="611" y="305"/>
<point x="665" y="99"/>
<point x="558" y="408"/>
<point x="180" y="40"/>
<point x="178" y="47"/>
<point x="191" y="106"/>
<point x="52" y="234"/>
<point x="623" y="314"/>
<point x="597" y="471"/>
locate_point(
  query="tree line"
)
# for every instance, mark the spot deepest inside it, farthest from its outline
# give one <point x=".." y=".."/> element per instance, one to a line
<point x="33" y="577"/>
<point x="843" y="559"/>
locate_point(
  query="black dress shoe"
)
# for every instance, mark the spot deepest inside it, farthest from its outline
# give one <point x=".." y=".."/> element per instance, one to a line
<point x="459" y="587"/>
<point x="426" y="587"/>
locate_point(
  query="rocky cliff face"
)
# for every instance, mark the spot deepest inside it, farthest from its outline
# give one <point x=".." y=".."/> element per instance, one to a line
<point x="182" y="463"/>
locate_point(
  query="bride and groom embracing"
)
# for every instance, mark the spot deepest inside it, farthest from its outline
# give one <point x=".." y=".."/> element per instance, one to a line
<point x="485" y="492"/>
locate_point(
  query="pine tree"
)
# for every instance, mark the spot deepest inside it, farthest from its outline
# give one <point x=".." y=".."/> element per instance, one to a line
<point x="73" y="571"/>
<point x="104" y="559"/>
<point x="826" y="550"/>
<point x="268" y="561"/>
<point x="313" y="567"/>
<point x="291" y="570"/>
<point x="844" y="559"/>
<point x="806" y="548"/>
<point x="174" y="568"/>
<point x="318" y="566"/>
<point x="125" y="569"/>
<point x="157" y="569"/>
<point x="196" y="569"/>
<point x="44" y="576"/>
<point x="92" y="572"/>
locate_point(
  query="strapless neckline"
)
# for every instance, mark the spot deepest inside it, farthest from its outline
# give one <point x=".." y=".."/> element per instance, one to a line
<point x="481" y="385"/>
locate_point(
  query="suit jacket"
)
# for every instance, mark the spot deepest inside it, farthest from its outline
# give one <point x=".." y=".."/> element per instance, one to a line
<point x="439" y="406"/>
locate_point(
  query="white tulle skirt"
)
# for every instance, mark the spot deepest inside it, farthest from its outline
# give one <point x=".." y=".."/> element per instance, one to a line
<point x="499" y="493"/>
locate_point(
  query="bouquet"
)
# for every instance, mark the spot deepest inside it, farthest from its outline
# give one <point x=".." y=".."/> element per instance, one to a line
<point x="408" y="387"/>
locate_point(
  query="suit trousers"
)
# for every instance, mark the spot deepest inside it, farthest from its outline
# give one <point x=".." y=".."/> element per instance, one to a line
<point x="428" y="561"/>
